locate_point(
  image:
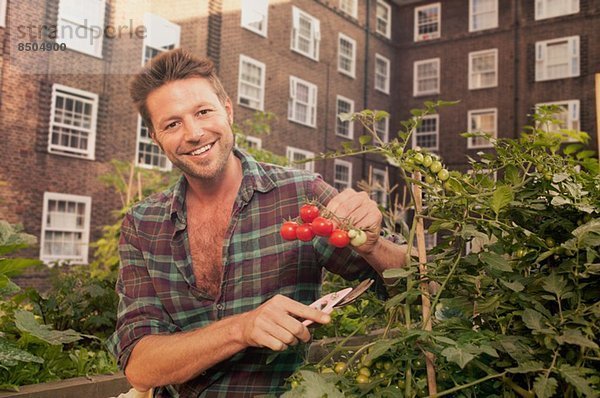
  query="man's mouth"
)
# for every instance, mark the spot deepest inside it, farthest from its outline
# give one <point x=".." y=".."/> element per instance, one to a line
<point x="201" y="150"/>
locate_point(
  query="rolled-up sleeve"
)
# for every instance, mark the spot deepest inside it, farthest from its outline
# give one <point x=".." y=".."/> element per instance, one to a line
<point x="140" y="312"/>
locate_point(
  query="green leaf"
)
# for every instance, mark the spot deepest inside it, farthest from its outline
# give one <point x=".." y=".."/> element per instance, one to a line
<point x="379" y="348"/>
<point x="399" y="272"/>
<point x="11" y="355"/>
<point x="365" y="139"/>
<point x="554" y="284"/>
<point x="7" y="287"/>
<point x="572" y="148"/>
<point x="345" y="117"/>
<point x="25" y="322"/>
<point x="458" y="356"/>
<point x="495" y="261"/>
<point x="575" y="377"/>
<point x="319" y="387"/>
<point x="511" y="174"/>
<point x="533" y="320"/>
<point x="514" y="286"/>
<point x="501" y="198"/>
<point x="527" y="367"/>
<point x="14" y="266"/>
<point x="544" y="387"/>
<point x="588" y="234"/>
<point x="445" y="340"/>
<point x="573" y="336"/>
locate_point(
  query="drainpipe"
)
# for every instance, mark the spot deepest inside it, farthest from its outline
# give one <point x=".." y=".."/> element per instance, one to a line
<point x="516" y="71"/>
<point x="366" y="77"/>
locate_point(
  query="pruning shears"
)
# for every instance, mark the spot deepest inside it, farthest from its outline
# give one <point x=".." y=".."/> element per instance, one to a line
<point x="338" y="299"/>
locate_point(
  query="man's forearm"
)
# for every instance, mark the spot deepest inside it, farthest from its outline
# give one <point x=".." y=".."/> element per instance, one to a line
<point x="158" y="360"/>
<point x="386" y="255"/>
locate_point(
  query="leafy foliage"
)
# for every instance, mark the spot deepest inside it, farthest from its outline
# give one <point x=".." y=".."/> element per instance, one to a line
<point x="515" y="275"/>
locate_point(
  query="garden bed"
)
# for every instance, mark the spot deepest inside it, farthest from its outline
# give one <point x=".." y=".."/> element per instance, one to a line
<point x="102" y="386"/>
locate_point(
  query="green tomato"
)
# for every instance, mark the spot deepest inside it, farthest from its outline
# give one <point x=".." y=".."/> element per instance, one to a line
<point x="436" y="166"/>
<point x="401" y="383"/>
<point x="418" y="158"/>
<point x="352" y="233"/>
<point x="359" y="239"/>
<point x="387" y="365"/>
<point x="327" y="370"/>
<point x="427" y="160"/>
<point x="294" y="383"/>
<point x="520" y="253"/>
<point x="550" y="242"/>
<point x="443" y="174"/>
<point x="429" y="179"/>
<point x="362" y="379"/>
<point x="548" y="176"/>
<point x="366" y="362"/>
<point x="379" y="365"/>
<point x="364" y="371"/>
<point x="340" y="367"/>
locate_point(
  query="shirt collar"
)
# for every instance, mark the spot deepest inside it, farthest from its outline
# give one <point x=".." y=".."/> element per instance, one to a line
<point x="255" y="178"/>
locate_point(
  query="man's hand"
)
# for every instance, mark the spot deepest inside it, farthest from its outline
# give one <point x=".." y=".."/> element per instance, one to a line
<point x="362" y="212"/>
<point x="277" y="324"/>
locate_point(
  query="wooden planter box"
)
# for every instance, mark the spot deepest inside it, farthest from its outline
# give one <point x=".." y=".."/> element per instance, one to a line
<point x="103" y="386"/>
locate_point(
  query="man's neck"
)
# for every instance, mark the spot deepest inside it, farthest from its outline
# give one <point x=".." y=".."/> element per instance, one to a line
<point x="219" y="189"/>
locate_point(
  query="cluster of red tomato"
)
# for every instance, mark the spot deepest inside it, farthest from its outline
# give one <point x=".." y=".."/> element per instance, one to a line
<point x="312" y="224"/>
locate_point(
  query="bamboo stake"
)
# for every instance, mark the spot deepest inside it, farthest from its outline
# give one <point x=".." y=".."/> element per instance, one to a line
<point x="130" y="184"/>
<point x="139" y="186"/>
<point x="424" y="286"/>
<point x="598" y="113"/>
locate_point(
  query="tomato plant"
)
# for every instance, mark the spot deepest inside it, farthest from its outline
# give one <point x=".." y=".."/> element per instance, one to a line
<point x="512" y="284"/>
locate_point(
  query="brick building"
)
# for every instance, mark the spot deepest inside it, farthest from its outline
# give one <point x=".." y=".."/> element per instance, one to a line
<point x="303" y="60"/>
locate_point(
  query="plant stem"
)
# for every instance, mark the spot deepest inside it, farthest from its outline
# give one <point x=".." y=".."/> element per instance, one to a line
<point x="471" y="384"/>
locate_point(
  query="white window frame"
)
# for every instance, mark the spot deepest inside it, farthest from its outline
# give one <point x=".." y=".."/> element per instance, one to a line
<point x="338" y="122"/>
<point x="572" y="110"/>
<point x="416" y="92"/>
<point x="249" y="10"/>
<point x="146" y="140"/>
<point x="541" y="61"/>
<point x="386" y="88"/>
<point x="542" y="11"/>
<point x="257" y="142"/>
<point x="315" y="34"/>
<point x="388" y="22"/>
<point x="352" y="58"/>
<point x="79" y="95"/>
<point x="85" y="231"/>
<point x="382" y="173"/>
<point x="161" y="35"/>
<point x="472" y="75"/>
<point x="74" y="15"/>
<point x="386" y="129"/>
<point x="429" y="35"/>
<point x="348" y="165"/>
<point x="436" y="132"/>
<point x="3" y="7"/>
<point x="260" y="87"/>
<point x="472" y="17"/>
<point x="349" y="7"/>
<point x="474" y="112"/>
<point x="311" y="105"/>
<point x="309" y="166"/>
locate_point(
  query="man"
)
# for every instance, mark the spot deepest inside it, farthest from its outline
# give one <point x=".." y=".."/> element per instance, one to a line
<point x="208" y="289"/>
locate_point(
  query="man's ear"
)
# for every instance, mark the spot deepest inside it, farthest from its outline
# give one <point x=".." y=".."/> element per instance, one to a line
<point x="229" y="110"/>
<point x="153" y="137"/>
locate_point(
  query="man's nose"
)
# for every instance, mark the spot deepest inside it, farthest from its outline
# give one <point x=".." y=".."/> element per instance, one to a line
<point x="194" y="130"/>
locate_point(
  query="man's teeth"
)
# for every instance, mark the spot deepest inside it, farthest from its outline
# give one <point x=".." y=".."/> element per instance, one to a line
<point x="201" y="150"/>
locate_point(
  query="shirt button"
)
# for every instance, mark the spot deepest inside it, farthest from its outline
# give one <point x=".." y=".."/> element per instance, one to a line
<point x="220" y="306"/>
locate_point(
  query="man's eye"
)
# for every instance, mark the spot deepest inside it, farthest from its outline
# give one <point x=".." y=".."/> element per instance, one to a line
<point x="203" y="112"/>
<point x="170" y="126"/>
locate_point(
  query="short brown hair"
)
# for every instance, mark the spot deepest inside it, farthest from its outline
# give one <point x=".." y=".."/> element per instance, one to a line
<point x="169" y="66"/>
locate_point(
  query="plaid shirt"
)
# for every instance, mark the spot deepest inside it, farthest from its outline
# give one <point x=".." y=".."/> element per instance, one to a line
<point x="157" y="287"/>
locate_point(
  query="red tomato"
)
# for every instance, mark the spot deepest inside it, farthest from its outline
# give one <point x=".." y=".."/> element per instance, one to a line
<point x="322" y="226"/>
<point x="288" y="230"/>
<point x="308" y="213"/>
<point x="339" y="238"/>
<point x="304" y="232"/>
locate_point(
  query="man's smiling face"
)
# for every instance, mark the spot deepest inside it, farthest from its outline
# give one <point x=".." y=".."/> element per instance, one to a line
<point x="192" y="126"/>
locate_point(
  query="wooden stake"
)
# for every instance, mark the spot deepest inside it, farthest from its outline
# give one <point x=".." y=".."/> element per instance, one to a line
<point x="425" y="301"/>
<point x="598" y="113"/>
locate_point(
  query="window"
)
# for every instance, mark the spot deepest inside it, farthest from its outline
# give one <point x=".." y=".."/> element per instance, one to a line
<point x="482" y="120"/>
<point x="379" y="186"/>
<point x="426" y="77"/>
<point x="251" y="83"/>
<point x="302" y="105"/>
<point x="306" y="34"/>
<point x="349" y="7"/>
<point x="384" y="19"/>
<point x="254" y="142"/>
<point x="297" y="155"/>
<point x="65" y="227"/>
<point x="255" y="15"/>
<point x="148" y="154"/>
<point x="430" y="240"/>
<point x="427" y="134"/>
<point x="346" y="55"/>
<point x="483" y="14"/>
<point x="344" y="128"/>
<point x="80" y="25"/>
<point x="382" y="74"/>
<point x="73" y="122"/>
<point x="3" y="13"/>
<point x="342" y="174"/>
<point x="567" y="116"/>
<point x="161" y="35"/>
<point x="557" y="59"/>
<point x="483" y="69"/>
<point x="428" y="22"/>
<point x="555" y="8"/>
<point x="382" y="128"/>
